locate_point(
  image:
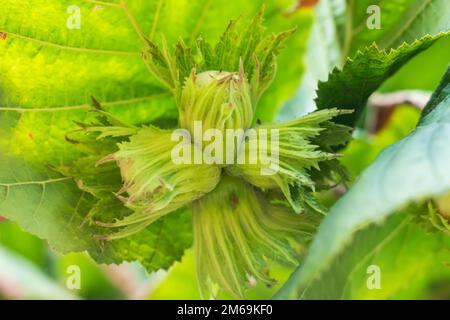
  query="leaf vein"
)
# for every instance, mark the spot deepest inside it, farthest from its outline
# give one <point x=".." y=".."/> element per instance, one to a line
<point x="77" y="49"/>
<point x="84" y="106"/>
<point x="39" y="182"/>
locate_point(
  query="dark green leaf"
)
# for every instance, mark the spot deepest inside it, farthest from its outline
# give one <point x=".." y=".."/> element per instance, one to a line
<point x="413" y="170"/>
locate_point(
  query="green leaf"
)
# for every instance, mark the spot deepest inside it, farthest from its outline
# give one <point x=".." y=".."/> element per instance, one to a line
<point x="341" y="29"/>
<point x="347" y="22"/>
<point x="440" y="96"/>
<point x="56" y="210"/>
<point x="49" y="73"/>
<point x="401" y="21"/>
<point x="350" y="87"/>
<point x="430" y="64"/>
<point x="404" y="253"/>
<point x="412" y="170"/>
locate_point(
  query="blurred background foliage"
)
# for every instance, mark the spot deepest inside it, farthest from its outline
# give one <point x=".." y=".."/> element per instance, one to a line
<point x="30" y="269"/>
